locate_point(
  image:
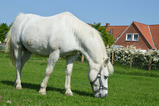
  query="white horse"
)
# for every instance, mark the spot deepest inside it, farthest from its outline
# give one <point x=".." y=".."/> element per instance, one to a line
<point x="61" y="34"/>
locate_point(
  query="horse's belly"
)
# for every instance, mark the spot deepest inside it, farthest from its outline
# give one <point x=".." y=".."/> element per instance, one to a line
<point x="37" y="47"/>
<point x="40" y="51"/>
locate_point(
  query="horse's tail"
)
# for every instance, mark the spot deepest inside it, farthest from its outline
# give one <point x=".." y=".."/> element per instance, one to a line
<point x="110" y="67"/>
<point x="9" y="48"/>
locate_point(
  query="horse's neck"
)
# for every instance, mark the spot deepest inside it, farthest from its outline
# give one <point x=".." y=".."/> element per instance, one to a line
<point x="95" y="54"/>
<point x="92" y="45"/>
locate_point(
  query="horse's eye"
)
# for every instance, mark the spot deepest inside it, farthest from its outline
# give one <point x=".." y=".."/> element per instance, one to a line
<point x="105" y="77"/>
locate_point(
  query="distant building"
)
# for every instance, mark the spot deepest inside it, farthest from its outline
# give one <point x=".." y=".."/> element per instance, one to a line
<point x="140" y="35"/>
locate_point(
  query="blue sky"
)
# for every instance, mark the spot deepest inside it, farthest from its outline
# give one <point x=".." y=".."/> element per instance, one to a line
<point x="115" y="12"/>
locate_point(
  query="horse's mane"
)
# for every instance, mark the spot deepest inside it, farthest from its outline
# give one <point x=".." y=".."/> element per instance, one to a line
<point x="83" y="30"/>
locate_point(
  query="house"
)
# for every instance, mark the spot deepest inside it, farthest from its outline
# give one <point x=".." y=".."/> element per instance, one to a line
<point x="140" y="35"/>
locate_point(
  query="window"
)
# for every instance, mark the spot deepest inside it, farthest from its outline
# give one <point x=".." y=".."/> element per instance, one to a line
<point x="132" y="37"/>
<point x="135" y="37"/>
<point x="128" y="37"/>
<point x="111" y="31"/>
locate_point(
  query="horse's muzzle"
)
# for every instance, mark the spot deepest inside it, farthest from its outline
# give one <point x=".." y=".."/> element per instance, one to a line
<point x="99" y="95"/>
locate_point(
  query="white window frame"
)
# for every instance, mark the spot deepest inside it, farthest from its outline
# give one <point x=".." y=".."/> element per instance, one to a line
<point x="134" y="35"/>
<point x="127" y="36"/>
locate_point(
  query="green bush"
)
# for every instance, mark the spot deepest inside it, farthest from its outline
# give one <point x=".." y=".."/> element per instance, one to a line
<point x="107" y="38"/>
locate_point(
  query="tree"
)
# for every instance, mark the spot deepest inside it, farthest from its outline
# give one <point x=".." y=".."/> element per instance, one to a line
<point x="107" y="38"/>
<point x="4" y="28"/>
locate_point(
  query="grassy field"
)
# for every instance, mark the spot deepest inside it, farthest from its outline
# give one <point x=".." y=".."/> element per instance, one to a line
<point x="126" y="87"/>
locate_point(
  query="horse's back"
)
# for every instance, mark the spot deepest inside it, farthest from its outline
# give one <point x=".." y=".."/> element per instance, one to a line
<point x="42" y="35"/>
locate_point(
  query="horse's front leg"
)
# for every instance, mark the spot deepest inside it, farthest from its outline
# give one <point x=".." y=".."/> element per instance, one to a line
<point x="51" y="63"/>
<point x="69" y="66"/>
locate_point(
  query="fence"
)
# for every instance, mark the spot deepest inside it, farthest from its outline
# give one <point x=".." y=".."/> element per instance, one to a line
<point x="133" y="57"/>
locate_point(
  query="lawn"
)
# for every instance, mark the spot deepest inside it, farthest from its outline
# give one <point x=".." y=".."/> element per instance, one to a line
<point x="126" y="87"/>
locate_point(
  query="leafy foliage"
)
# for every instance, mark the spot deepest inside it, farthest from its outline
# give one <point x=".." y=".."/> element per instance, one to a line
<point x="4" y="28"/>
<point x="107" y="38"/>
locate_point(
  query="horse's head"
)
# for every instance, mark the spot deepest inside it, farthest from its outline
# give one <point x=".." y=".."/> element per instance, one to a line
<point x="99" y="79"/>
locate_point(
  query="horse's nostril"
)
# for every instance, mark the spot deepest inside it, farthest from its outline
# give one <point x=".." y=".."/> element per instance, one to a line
<point x="103" y="96"/>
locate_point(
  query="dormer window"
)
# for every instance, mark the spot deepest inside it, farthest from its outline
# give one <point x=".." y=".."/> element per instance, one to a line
<point x="128" y="37"/>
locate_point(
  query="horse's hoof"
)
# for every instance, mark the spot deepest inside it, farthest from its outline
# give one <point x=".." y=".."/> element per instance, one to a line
<point x="69" y="94"/>
<point x="19" y="87"/>
<point x="42" y="92"/>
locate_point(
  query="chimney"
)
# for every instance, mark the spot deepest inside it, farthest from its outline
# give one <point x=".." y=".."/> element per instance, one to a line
<point x="107" y="24"/>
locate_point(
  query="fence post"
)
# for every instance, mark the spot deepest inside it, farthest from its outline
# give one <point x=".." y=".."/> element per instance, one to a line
<point x="131" y="59"/>
<point x="112" y="57"/>
<point x="150" y="62"/>
<point x="82" y="58"/>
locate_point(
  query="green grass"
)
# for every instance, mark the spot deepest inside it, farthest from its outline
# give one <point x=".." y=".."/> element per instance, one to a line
<point x="126" y="87"/>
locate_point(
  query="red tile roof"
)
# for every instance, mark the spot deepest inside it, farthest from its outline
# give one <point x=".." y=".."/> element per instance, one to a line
<point x="116" y="30"/>
<point x="155" y="34"/>
<point x="144" y="29"/>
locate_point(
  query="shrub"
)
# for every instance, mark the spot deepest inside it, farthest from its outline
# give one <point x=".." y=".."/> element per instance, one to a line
<point x="140" y="59"/>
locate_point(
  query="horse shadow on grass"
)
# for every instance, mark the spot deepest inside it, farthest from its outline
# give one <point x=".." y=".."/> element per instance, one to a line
<point x="37" y="87"/>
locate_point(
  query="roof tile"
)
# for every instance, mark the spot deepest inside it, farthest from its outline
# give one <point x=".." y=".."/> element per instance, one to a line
<point x="116" y="30"/>
<point x="144" y="29"/>
<point x="155" y="34"/>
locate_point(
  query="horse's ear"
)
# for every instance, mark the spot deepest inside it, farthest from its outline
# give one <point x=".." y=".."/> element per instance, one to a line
<point x="106" y="61"/>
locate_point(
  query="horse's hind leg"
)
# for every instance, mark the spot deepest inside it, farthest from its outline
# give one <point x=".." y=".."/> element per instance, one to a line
<point x="17" y="54"/>
<point x="26" y="56"/>
<point x="68" y="72"/>
<point x="20" y="61"/>
<point x="51" y="63"/>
